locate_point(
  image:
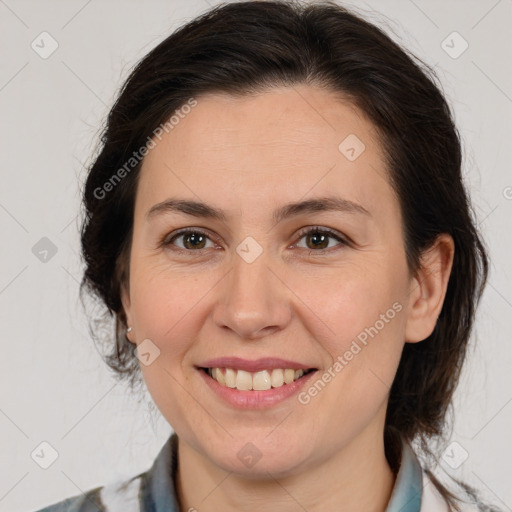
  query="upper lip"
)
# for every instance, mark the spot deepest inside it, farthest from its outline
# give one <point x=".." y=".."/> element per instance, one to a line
<point x="256" y="365"/>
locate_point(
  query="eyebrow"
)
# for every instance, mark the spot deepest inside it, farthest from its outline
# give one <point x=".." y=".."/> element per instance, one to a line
<point x="199" y="209"/>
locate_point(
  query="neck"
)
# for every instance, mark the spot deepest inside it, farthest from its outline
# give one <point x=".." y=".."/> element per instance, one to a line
<point x="357" y="477"/>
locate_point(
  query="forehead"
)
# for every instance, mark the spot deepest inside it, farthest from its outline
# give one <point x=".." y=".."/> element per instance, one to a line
<point x="278" y="145"/>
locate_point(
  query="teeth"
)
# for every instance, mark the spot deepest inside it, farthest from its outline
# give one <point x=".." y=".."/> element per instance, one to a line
<point x="229" y="377"/>
<point x="243" y="380"/>
<point x="219" y="376"/>
<point x="289" y="376"/>
<point x="259" y="381"/>
<point x="277" y="379"/>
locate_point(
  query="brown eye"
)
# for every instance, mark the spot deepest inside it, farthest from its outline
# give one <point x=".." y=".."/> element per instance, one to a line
<point x="318" y="239"/>
<point x="192" y="240"/>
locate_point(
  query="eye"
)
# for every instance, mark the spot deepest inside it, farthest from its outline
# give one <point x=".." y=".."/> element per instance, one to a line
<point x="193" y="239"/>
<point x="318" y="238"/>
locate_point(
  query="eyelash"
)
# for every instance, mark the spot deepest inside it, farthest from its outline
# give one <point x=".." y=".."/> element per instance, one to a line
<point x="310" y="230"/>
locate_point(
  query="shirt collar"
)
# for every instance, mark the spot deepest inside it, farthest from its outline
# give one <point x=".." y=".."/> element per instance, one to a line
<point x="157" y="495"/>
<point x="158" y="492"/>
<point x="407" y="491"/>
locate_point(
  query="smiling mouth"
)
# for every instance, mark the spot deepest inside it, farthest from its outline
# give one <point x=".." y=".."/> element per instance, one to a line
<point x="257" y="381"/>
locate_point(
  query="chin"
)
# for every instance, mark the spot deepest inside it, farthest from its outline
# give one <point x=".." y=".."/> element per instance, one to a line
<point x="255" y="457"/>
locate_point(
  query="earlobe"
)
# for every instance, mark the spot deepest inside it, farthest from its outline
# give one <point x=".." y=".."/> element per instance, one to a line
<point x="428" y="289"/>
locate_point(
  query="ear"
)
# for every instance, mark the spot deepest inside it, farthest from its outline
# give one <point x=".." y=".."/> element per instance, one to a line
<point x="428" y="289"/>
<point x="125" y="300"/>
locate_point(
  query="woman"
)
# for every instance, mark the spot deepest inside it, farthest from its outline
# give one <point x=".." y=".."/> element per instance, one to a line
<point x="277" y="222"/>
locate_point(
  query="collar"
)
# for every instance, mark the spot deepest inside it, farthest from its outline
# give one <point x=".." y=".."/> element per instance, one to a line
<point x="407" y="491"/>
<point x="157" y="495"/>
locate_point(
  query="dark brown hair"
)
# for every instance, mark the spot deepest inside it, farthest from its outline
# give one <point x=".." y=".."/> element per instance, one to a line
<point x="246" y="48"/>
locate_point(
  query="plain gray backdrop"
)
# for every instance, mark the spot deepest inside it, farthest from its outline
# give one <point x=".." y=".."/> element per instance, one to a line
<point x="53" y="100"/>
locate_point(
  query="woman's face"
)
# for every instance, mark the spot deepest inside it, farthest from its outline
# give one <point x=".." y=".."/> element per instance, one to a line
<point x="252" y="283"/>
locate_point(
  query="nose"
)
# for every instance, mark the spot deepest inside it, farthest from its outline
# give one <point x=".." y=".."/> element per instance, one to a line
<point x="253" y="302"/>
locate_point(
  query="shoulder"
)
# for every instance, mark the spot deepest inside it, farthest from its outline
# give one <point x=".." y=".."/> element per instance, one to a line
<point x="433" y="501"/>
<point x="90" y="500"/>
<point x="467" y="500"/>
<point x="122" y="495"/>
<point x="136" y="494"/>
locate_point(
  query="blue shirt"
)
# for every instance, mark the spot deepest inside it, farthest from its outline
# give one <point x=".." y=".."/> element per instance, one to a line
<point x="155" y="489"/>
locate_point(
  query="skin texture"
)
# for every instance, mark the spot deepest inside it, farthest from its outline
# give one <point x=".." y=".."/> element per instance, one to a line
<point x="249" y="156"/>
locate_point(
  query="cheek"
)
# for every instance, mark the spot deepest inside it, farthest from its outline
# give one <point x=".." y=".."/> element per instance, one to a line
<point x="165" y="305"/>
<point x="351" y="299"/>
<point x="167" y="309"/>
<point x="363" y="309"/>
<point x="163" y="299"/>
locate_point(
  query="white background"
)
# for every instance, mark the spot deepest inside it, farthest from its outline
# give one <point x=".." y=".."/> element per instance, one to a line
<point x="54" y="385"/>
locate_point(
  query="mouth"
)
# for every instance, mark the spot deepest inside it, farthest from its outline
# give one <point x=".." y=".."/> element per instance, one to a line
<point x="262" y="380"/>
<point x="254" y="383"/>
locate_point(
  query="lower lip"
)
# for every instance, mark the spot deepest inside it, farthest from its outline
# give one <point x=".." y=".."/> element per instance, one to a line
<point x="256" y="399"/>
